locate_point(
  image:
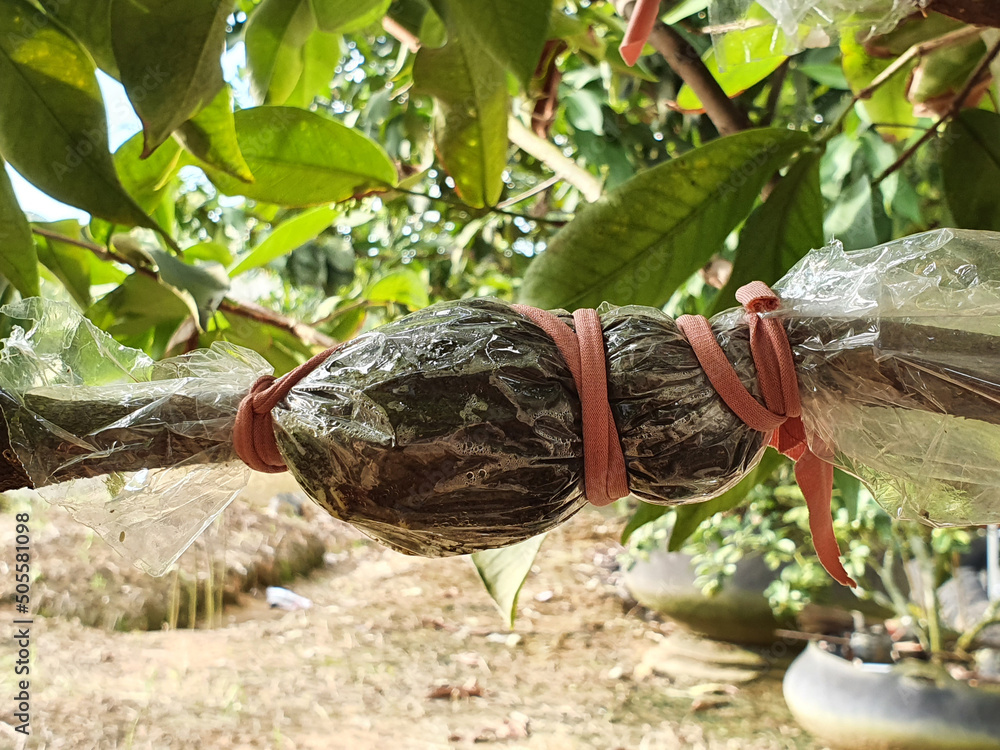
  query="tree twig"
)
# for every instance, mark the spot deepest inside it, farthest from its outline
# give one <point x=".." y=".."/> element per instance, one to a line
<point x="684" y="60"/>
<point x="953" y="110"/>
<point x="305" y="333"/>
<point x="550" y="155"/>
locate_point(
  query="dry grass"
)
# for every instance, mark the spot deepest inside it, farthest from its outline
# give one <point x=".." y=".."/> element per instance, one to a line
<point x="367" y="666"/>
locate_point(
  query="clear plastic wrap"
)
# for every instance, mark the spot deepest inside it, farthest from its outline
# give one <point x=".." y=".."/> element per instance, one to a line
<point x="458" y="428"/>
<point x="789" y="26"/>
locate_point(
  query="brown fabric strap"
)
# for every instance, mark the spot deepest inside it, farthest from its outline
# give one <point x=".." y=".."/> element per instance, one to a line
<point x="604" y="474"/>
<point x="253" y="433"/>
<point x="781" y="413"/>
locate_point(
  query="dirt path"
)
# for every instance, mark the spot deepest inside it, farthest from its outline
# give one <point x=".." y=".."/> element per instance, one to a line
<point x="358" y="670"/>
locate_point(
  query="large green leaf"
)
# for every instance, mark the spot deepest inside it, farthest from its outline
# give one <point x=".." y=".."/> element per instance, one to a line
<point x="970" y="167"/>
<point x="211" y="136"/>
<point x="139" y="305"/>
<point x="644" y="513"/>
<point x="503" y="572"/>
<point x="780" y="231"/>
<point x="888" y="103"/>
<point x="275" y="36"/>
<point x="69" y="263"/>
<point x="301" y="158"/>
<point x="512" y="32"/>
<point x="288" y="236"/>
<point x="90" y="22"/>
<point x="53" y="128"/>
<point x="405" y="287"/>
<point x="168" y="52"/>
<point x="320" y="57"/>
<point x="470" y="130"/>
<point x="18" y="258"/>
<point x="690" y="517"/>
<point x="207" y="284"/>
<point x="346" y="16"/>
<point x="146" y="179"/>
<point x="636" y="244"/>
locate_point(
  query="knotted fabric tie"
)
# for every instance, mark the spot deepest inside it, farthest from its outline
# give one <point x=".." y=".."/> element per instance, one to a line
<point x="253" y="433"/>
<point x="782" y="416"/>
<point x="604" y="475"/>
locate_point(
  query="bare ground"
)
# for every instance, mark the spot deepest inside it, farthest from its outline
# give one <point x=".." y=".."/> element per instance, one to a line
<point x="396" y="652"/>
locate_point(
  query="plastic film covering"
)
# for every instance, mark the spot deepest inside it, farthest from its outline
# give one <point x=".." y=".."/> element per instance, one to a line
<point x="744" y="29"/>
<point x="140" y="451"/>
<point x="457" y="428"/>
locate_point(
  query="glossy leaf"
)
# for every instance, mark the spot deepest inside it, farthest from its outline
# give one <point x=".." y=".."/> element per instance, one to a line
<point x="288" y="236"/>
<point x="970" y="166"/>
<point x="645" y="513"/>
<point x="18" y="259"/>
<point x="512" y="32"/>
<point x="211" y="136"/>
<point x="139" y="305"/>
<point x="405" y="287"/>
<point x="146" y="179"/>
<point x="735" y="79"/>
<point x="53" y="129"/>
<point x="503" y="572"/>
<point x="206" y="284"/>
<point x="470" y="129"/>
<point x="90" y="22"/>
<point x="888" y="103"/>
<point x="636" y="244"/>
<point x="211" y="251"/>
<point x="68" y="263"/>
<point x="780" y="231"/>
<point x="320" y="56"/>
<point x="690" y="517"/>
<point x="275" y="36"/>
<point x="301" y="158"/>
<point x="347" y="16"/>
<point x="168" y="53"/>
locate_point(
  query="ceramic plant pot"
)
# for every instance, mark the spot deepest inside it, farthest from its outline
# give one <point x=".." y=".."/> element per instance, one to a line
<point x="888" y="707"/>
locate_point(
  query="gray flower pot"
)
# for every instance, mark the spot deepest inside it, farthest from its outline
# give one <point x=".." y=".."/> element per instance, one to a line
<point x="885" y="707"/>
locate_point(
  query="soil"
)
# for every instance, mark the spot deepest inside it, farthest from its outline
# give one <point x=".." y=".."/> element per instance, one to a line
<point x="396" y="651"/>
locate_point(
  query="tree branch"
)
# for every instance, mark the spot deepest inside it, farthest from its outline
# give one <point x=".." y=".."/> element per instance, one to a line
<point x="550" y="155"/>
<point x="305" y="333"/>
<point x="684" y="60"/>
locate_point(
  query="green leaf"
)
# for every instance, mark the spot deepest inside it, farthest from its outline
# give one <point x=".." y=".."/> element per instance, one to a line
<point x="829" y="74"/>
<point x="18" y="258"/>
<point x="288" y="236"/>
<point x="645" y="513"/>
<point x="779" y="231"/>
<point x="512" y="32"/>
<point x="320" y="57"/>
<point x="690" y="517"/>
<point x="503" y="572"/>
<point x="90" y="22"/>
<point x="636" y="244"/>
<point x="210" y="251"/>
<point x="168" y="52"/>
<point x="470" y="128"/>
<point x="275" y="36"/>
<point x="301" y="158"/>
<point x="584" y="112"/>
<point x="146" y="179"/>
<point x="206" y="284"/>
<point x="281" y="349"/>
<point x="405" y="287"/>
<point x="348" y="16"/>
<point x="68" y="263"/>
<point x="683" y="10"/>
<point x="211" y="136"/>
<point x="138" y="305"/>
<point x="53" y="128"/>
<point x="851" y="217"/>
<point x="888" y="103"/>
<point x="970" y="167"/>
<point x="735" y="79"/>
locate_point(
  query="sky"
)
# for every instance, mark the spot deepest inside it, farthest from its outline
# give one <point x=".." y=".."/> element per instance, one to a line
<point x="123" y="123"/>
